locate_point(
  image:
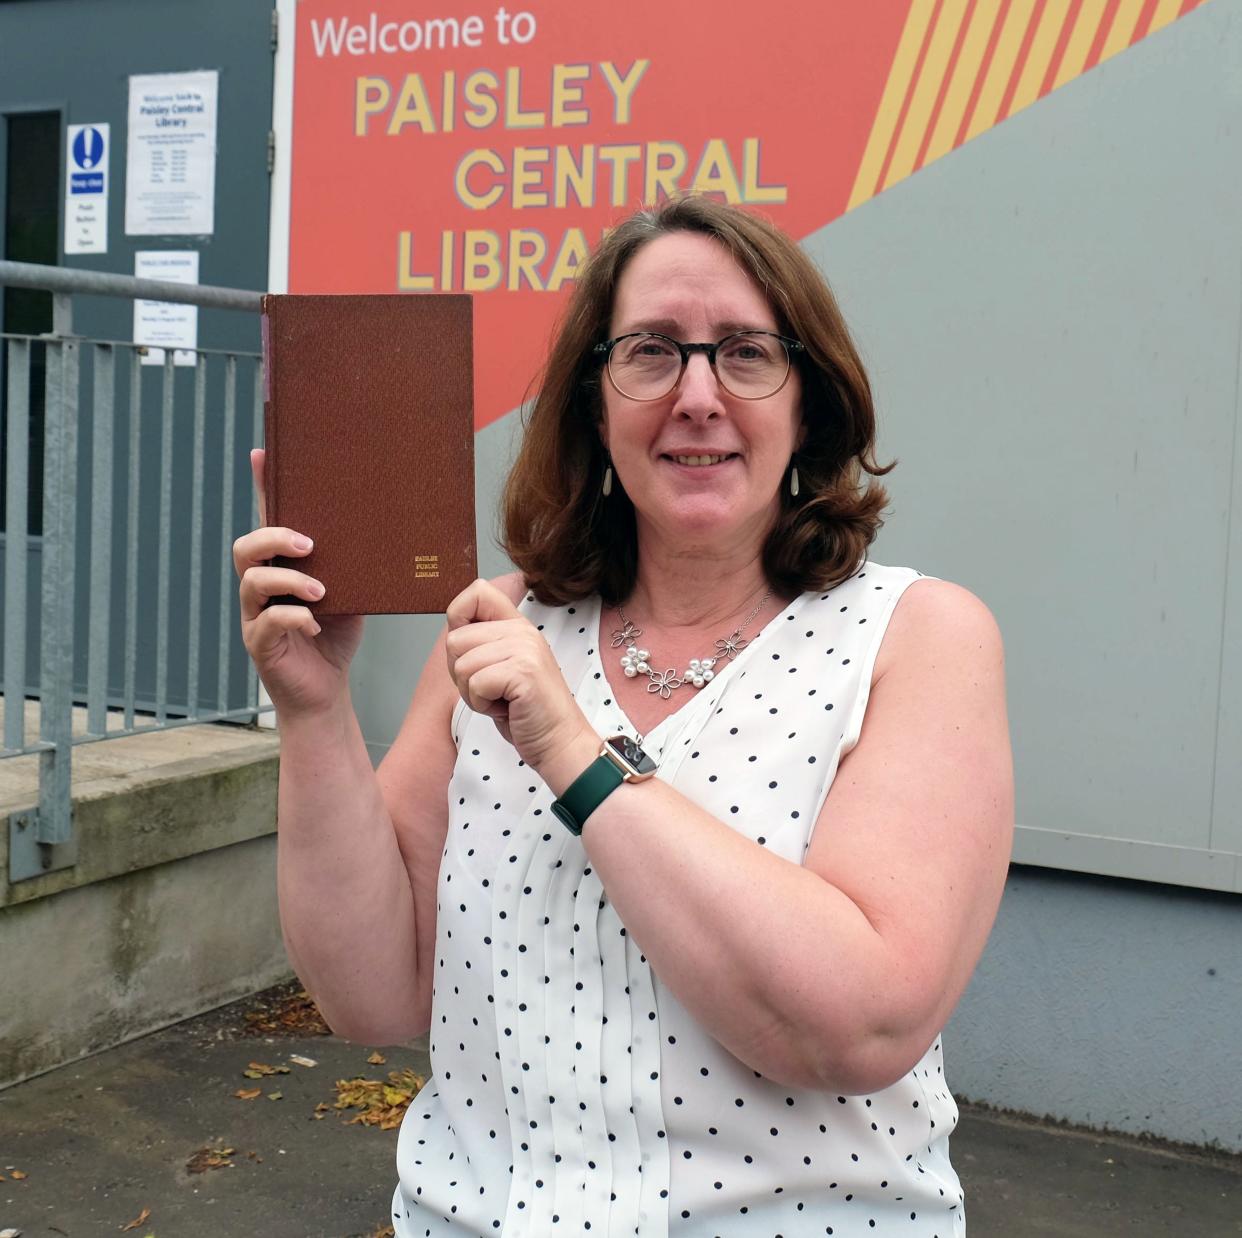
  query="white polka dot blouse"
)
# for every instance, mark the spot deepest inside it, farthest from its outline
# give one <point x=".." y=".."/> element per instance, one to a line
<point x="570" y="1091"/>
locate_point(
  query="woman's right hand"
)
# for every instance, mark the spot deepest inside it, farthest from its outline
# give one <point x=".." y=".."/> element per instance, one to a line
<point x="303" y="663"/>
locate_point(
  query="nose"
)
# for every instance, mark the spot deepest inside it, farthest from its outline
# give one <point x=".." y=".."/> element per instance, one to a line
<point x="698" y="393"/>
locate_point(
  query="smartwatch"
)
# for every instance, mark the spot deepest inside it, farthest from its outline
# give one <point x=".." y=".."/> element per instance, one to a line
<point x="620" y="760"/>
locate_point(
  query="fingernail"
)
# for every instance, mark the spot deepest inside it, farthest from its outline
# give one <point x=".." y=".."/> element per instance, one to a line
<point x="301" y="543"/>
<point x="316" y="589"/>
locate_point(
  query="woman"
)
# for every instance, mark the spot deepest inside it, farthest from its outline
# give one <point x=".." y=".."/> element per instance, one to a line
<point x="704" y="1002"/>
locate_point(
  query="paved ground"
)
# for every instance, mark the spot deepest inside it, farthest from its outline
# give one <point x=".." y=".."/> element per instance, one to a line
<point x="110" y="1137"/>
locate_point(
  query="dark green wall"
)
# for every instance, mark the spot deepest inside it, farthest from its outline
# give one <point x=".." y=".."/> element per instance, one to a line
<point x="75" y="57"/>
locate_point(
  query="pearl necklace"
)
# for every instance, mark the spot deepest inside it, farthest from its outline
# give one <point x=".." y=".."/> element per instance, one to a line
<point x="636" y="661"/>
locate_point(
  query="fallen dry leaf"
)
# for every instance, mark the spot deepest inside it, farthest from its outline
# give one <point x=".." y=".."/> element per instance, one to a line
<point x="261" y="1070"/>
<point x="138" y="1220"/>
<point x="275" y="1096"/>
<point x="382" y="1104"/>
<point x="384" y="1231"/>
<point x="289" y="1014"/>
<point x="377" y="1058"/>
<point x="210" y="1158"/>
<point x="247" y="1093"/>
<point x="10" y="1233"/>
<point x="17" y="1175"/>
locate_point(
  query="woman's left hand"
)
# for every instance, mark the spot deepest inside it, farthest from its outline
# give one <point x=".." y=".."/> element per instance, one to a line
<point x="504" y="668"/>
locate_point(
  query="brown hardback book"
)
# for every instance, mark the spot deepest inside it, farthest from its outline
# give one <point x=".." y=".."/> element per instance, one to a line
<point x="368" y="409"/>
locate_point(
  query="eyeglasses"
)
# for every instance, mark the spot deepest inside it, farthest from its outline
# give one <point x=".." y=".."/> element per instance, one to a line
<point x="750" y="365"/>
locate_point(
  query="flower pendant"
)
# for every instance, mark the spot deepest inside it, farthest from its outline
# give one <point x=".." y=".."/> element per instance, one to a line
<point x="664" y="682"/>
<point x="626" y="635"/>
<point x="730" y="646"/>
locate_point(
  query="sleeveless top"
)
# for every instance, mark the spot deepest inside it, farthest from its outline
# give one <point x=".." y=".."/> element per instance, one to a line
<point x="570" y="1090"/>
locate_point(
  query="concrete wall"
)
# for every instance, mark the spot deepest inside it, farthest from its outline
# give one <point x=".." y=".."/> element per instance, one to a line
<point x="1107" y="1003"/>
<point x="103" y="963"/>
<point x="170" y="909"/>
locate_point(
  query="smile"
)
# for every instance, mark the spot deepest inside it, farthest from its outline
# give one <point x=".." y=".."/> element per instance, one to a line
<point x="701" y="461"/>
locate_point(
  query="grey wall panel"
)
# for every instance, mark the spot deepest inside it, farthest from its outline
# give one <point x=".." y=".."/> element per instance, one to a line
<point x="1109" y="1004"/>
<point x="1051" y="316"/>
<point x="1227" y="797"/>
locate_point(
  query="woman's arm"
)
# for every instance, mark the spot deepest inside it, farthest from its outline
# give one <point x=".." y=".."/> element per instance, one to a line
<point x="358" y="858"/>
<point x="840" y="972"/>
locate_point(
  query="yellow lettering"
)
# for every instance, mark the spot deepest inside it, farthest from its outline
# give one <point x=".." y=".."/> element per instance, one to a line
<point x="515" y="118"/>
<point x="477" y="90"/>
<point x="522" y="263"/>
<point x="752" y="191"/>
<point x="579" y="176"/>
<point x="715" y="173"/>
<point x="407" y="281"/>
<point x="623" y="87"/>
<point x="413" y="107"/>
<point x="371" y="95"/>
<point x="478" y="201"/>
<point x="620" y="157"/>
<point x="480" y="251"/>
<point x="663" y="179"/>
<point x="563" y="94"/>
<point x="569" y="258"/>
<point x="527" y="176"/>
<point x="449" y="100"/>
<point x="446" y="261"/>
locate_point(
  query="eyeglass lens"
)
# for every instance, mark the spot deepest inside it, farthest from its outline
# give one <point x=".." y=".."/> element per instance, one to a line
<point x="646" y="367"/>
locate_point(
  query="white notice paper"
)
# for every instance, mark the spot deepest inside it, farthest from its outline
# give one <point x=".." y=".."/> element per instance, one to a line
<point x="86" y="189"/>
<point x="170" y="165"/>
<point x="166" y="322"/>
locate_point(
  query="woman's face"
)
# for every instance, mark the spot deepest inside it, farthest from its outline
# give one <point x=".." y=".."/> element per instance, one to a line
<point x="687" y="286"/>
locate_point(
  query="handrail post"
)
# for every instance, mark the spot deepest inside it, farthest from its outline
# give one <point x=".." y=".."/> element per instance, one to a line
<point x="54" y="824"/>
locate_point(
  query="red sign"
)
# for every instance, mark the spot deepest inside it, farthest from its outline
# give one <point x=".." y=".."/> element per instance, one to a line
<point x="486" y="151"/>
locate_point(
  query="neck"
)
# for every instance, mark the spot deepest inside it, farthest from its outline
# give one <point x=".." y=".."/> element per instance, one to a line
<point x="695" y="587"/>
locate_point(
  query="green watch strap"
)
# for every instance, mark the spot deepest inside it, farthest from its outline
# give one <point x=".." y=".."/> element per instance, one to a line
<point x="586" y="793"/>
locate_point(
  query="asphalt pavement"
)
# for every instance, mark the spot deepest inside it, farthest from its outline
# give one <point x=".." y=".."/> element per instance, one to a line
<point x="172" y="1133"/>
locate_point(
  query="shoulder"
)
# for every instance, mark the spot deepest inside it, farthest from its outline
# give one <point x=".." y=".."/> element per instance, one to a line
<point x="936" y="619"/>
<point x="511" y="584"/>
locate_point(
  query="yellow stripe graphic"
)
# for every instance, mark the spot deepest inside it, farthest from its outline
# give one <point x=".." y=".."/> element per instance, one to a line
<point x="925" y="91"/>
<point x="965" y="74"/>
<point x="1080" y="40"/>
<point x="890" y="102"/>
<point x="999" y="71"/>
<point x="1040" y="54"/>
<point x="1165" y="12"/>
<point x="1122" y="29"/>
<point x="941" y="38"/>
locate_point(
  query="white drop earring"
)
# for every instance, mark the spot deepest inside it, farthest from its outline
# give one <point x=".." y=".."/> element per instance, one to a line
<point x="793" y="481"/>
<point x="607" y="486"/>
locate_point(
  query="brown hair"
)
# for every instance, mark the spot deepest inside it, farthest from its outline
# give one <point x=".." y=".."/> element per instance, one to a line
<point x="569" y="541"/>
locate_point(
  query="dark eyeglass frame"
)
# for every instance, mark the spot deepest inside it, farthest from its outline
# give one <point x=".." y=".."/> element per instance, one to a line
<point x="603" y="352"/>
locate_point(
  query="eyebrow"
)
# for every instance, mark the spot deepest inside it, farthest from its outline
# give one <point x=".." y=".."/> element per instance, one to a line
<point x="670" y="327"/>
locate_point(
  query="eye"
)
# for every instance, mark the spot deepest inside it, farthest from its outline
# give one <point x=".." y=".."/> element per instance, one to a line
<point x="647" y="348"/>
<point x="652" y="347"/>
<point x="749" y="349"/>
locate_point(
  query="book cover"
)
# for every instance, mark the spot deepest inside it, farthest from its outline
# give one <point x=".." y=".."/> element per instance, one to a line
<point x="368" y="414"/>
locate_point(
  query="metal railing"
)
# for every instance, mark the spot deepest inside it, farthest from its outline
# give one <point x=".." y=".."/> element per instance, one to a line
<point x="126" y="682"/>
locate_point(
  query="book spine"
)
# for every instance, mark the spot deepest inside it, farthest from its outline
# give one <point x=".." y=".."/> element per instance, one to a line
<point x="270" y="505"/>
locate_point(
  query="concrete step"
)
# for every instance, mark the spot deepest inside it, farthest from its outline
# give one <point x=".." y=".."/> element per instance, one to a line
<point x="170" y="907"/>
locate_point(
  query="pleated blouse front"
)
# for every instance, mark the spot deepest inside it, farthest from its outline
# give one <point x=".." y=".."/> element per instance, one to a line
<point x="570" y="1091"/>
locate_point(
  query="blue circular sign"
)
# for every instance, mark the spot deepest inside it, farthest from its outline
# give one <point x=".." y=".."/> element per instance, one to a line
<point x="88" y="148"/>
